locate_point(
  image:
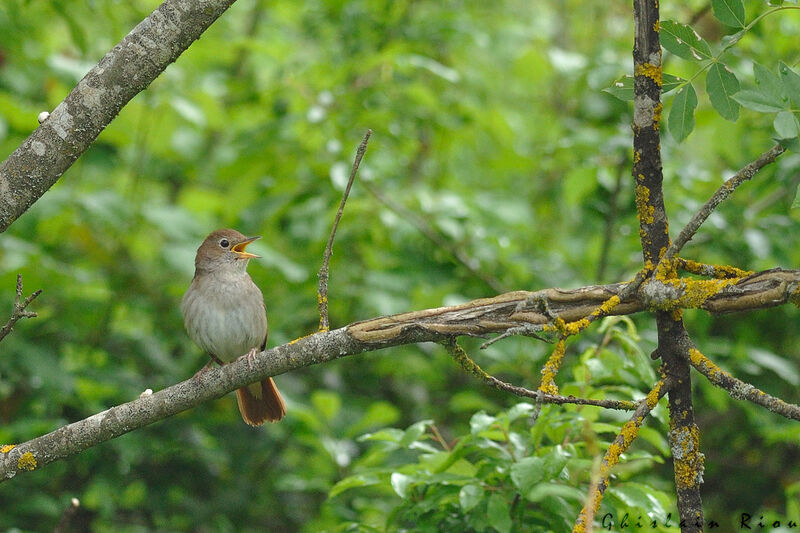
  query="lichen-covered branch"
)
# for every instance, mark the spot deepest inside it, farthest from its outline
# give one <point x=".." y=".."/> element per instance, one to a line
<point x="121" y="74"/>
<point x="620" y="445"/>
<point x="654" y="236"/>
<point x="522" y="310"/>
<point x="464" y="361"/>
<point x="739" y="389"/>
<point x="479" y="317"/>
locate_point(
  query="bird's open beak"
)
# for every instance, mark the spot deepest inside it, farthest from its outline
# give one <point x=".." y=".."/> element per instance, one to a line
<point x="239" y="247"/>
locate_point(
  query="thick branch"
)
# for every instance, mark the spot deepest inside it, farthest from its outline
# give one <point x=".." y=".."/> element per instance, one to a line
<point x="479" y="317"/>
<point x="522" y="309"/>
<point x="654" y="233"/>
<point x="121" y="74"/>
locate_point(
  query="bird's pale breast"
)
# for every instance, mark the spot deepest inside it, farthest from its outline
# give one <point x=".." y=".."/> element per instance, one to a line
<point x="225" y="315"/>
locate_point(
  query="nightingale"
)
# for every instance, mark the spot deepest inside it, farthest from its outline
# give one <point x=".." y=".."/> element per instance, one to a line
<point x="224" y="313"/>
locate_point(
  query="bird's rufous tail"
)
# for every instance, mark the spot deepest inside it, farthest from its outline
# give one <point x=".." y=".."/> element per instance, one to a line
<point x="261" y="402"/>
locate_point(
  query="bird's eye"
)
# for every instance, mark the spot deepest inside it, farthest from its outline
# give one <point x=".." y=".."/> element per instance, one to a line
<point x="224" y="243"/>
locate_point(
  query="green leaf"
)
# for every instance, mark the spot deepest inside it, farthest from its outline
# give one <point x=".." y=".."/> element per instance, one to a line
<point x="758" y="101"/>
<point x="480" y="422"/>
<point x="400" y="483"/>
<point x="469" y="496"/>
<point x="786" y="125"/>
<point x="670" y="82"/>
<point x="531" y="471"/>
<point x="730" y="12"/>
<point x="360" y="480"/>
<point x="498" y="513"/>
<point x="770" y="84"/>
<point x="791" y="83"/>
<point x="528" y="472"/>
<point x="386" y="435"/>
<point x="721" y="85"/>
<point x="681" y="116"/>
<point x="414" y="432"/>
<point x="683" y="41"/>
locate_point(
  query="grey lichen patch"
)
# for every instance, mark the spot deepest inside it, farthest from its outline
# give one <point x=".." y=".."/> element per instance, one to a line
<point x="62" y="122"/>
<point x="658" y="295"/>
<point x="643" y="111"/>
<point x="91" y="97"/>
<point x="39" y="148"/>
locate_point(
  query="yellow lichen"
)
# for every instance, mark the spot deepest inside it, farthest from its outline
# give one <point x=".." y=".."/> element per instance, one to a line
<point x="654" y="395"/>
<point x="550" y="369"/>
<point x="5" y="448"/>
<point x="26" y="461"/>
<point x="649" y="70"/>
<point x="644" y="210"/>
<point x="657" y="115"/>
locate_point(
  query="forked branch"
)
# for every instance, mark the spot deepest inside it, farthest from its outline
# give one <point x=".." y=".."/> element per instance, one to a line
<point x="19" y="311"/>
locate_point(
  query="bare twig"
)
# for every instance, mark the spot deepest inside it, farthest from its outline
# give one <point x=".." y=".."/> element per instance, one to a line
<point x="721" y="194"/>
<point x="322" y="292"/>
<point x="435" y="237"/>
<point x="66" y="516"/>
<point x="19" y="311"/>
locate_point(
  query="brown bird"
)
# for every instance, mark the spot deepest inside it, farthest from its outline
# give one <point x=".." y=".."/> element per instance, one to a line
<point x="224" y="313"/>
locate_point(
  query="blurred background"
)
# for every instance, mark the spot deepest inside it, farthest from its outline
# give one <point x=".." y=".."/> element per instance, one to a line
<point x="497" y="163"/>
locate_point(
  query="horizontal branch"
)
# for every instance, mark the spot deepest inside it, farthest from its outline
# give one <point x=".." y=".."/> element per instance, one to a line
<point x="523" y="308"/>
<point x="121" y="74"/>
<point x="478" y="317"/>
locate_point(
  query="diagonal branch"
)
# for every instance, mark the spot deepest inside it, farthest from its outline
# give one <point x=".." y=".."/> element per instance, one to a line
<point x="721" y="194"/>
<point x="739" y="389"/>
<point x="126" y="70"/>
<point x="620" y="445"/>
<point x="19" y="311"/>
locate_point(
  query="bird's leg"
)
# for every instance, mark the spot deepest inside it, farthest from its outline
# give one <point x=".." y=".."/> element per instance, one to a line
<point x="214" y="359"/>
<point x="202" y="370"/>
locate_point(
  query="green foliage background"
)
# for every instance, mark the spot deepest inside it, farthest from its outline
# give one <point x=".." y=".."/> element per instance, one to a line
<point x="491" y="124"/>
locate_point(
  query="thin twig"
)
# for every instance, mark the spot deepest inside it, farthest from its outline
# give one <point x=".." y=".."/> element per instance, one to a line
<point x="721" y="194"/>
<point x="66" y="516"/>
<point x="436" y="237"/>
<point x="19" y="308"/>
<point x="461" y="357"/>
<point x="322" y="292"/>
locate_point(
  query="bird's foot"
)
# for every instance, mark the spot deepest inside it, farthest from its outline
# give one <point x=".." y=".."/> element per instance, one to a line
<point x="251" y="357"/>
